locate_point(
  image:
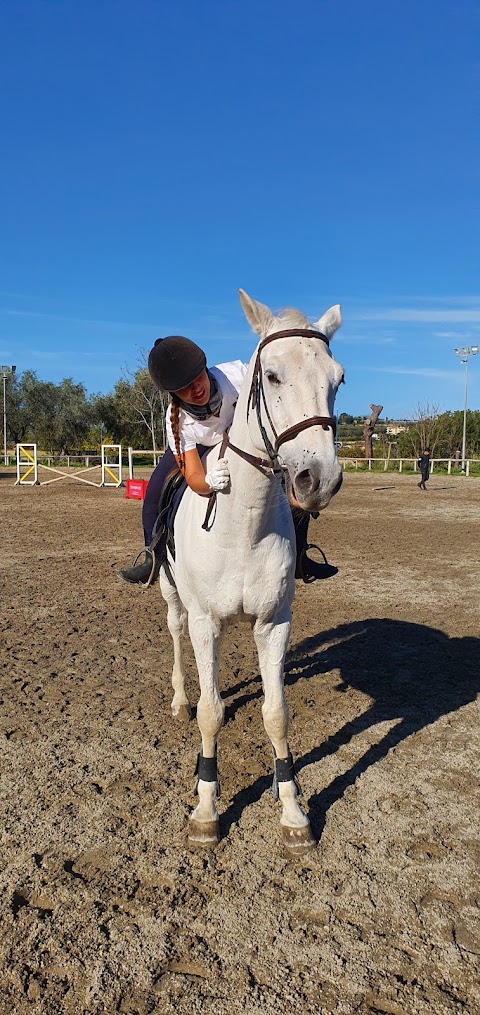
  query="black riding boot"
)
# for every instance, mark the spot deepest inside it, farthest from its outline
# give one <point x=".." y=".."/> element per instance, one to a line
<point x="145" y="573"/>
<point x="306" y="568"/>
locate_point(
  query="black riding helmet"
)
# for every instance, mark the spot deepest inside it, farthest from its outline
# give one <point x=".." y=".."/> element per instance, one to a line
<point x="174" y="362"/>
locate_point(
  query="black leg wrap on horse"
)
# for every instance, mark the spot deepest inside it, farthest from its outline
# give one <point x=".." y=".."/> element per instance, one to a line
<point x="284" y="772"/>
<point x="207" y="770"/>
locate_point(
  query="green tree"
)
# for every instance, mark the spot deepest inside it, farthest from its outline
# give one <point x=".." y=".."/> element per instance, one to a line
<point x="451" y="434"/>
<point x="72" y="415"/>
<point x="105" y="413"/>
<point x="16" y="419"/>
<point x="95" y="436"/>
<point x="54" y="416"/>
<point x="38" y="403"/>
<point x="423" y="433"/>
<point x="128" y="426"/>
<point x="442" y="432"/>
<point x="147" y="405"/>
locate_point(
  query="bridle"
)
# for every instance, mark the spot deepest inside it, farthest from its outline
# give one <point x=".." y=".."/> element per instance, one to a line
<point x="256" y="396"/>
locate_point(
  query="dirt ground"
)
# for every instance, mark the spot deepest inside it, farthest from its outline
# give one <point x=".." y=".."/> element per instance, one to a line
<point x="104" y="909"/>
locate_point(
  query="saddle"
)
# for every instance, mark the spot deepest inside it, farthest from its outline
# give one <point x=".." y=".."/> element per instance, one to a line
<point x="170" y="496"/>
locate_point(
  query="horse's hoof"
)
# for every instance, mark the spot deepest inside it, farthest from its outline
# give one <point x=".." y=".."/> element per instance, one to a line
<point x="184" y="714"/>
<point x="205" y="834"/>
<point x="298" y="841"/>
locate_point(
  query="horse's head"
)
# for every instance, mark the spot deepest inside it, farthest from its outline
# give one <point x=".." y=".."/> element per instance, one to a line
<point x="294" y="382"/>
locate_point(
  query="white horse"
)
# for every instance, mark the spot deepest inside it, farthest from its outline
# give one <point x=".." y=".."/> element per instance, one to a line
<point x="241" y="565"/>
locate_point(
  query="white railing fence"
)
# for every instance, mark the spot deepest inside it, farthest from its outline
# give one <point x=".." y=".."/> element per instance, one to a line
<point x="154" y="455"/>
<point x="397" y="464"/>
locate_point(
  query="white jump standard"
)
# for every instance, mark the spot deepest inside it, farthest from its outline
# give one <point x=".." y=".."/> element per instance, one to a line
<point x="111" y="469"/>
<point x="27" y="460"/>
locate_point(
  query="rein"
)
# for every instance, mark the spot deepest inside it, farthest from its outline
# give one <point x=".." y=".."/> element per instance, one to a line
<point x="256" y="395"/>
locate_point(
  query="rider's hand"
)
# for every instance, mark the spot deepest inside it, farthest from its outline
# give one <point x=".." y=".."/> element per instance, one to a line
<point x="219" y="477"/>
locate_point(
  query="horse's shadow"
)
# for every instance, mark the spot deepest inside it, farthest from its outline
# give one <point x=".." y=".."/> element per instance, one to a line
<point x="410" y="673"/>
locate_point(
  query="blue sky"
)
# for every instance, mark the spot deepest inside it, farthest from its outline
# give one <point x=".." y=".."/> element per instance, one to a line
<point x="158" y="154"/>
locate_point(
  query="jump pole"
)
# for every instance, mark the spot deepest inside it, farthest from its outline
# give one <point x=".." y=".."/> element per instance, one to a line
<point x="66" y="475"/>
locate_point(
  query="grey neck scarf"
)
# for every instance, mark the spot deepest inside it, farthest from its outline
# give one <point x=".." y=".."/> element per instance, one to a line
<point x="213" y="406"/>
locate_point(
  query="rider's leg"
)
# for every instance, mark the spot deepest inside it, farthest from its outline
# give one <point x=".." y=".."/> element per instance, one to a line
<point x="305" y="567"/>
<point x="142" y="573"/>
<point x="146" y="572"/>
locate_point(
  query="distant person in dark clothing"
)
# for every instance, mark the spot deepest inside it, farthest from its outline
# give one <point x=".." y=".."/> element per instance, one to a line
<point x="424" y="465"/>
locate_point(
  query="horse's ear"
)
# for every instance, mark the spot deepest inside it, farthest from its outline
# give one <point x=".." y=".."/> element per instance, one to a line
<point x="257" y="314"/>
<point x="330" y="321"/>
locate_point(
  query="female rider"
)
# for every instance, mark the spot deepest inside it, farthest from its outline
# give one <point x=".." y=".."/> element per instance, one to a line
<point x="200" y="410"/>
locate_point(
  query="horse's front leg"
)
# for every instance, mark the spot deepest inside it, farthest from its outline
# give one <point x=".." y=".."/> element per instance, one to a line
<point x="205" y="635"/>
<point x="176" y="621"/>
<point x="272" y="640"/>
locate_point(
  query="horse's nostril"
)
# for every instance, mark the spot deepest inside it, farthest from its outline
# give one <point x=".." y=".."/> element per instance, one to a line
<point x="306" y="482"/>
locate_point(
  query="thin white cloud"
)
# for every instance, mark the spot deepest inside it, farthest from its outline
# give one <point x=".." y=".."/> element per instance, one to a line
<point x="75" y="320"/>
<point x="421" y="316"/>
<point x="412" y="300"/>
<point x="42" y="354"/>
<point x="457" y="336"/>
<point x="447" y="375"/>
<point x="218" y="311"/>
<point x="364" y="340"/>
<point x="452" y="300"/>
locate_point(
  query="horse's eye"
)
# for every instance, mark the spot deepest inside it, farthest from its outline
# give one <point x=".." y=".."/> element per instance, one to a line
<point x="272" y="378"/>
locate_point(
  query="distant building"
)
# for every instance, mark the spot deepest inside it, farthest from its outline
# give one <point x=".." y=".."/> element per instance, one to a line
<point x="393" y="429"/>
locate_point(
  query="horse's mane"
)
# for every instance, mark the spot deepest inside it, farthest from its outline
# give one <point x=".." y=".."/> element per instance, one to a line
<point x="293" y="317"/>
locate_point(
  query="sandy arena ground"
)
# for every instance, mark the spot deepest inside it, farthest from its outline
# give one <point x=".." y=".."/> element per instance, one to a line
<point x="105" y="909"/>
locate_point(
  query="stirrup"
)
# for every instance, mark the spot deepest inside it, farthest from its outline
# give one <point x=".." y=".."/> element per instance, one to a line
<point x="330" y="569"/>
<point x="154" y="568"/>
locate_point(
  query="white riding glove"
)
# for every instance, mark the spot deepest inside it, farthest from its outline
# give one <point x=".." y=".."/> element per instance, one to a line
<point x="219" y="477"/>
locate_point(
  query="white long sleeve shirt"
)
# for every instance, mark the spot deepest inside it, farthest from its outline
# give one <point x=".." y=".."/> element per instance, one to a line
<point x="209" y="432"/>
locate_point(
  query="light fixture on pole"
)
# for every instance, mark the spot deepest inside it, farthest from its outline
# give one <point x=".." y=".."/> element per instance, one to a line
<point x="5" y="372"/>
<point x="464" y="354"/>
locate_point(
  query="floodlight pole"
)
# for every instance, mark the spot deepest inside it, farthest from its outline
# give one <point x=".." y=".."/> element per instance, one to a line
<point x="464" y="353"/>
<point x="464" y="439"/>
<point x="5" y="371"/>
<point x="4" y="418"/>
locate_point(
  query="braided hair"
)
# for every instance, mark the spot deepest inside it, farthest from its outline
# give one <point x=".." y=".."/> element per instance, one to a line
<point x="175" y="422"/>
